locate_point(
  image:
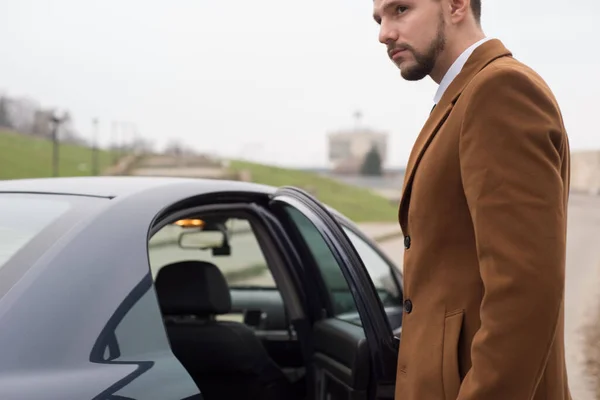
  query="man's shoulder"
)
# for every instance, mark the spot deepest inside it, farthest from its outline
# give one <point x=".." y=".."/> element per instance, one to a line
<point x="512" y="86"/>
<point x="508" y="71"/>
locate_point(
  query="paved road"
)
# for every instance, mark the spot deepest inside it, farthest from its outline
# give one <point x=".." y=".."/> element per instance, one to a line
<point x="582" y="285"/>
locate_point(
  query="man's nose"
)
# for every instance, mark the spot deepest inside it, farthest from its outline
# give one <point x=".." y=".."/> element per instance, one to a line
<point x="387" y="34"/>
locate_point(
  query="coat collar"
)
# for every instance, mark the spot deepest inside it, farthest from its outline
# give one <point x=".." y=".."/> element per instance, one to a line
<point x="481" y="57"/>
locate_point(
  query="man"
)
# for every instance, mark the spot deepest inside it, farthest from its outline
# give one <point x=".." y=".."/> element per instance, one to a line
<point x="484" y="213"/>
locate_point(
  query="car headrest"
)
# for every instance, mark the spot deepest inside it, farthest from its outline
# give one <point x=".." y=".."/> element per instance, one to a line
<point x="192" y="288"/>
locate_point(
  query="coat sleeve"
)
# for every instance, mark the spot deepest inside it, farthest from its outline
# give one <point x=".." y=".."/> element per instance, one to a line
<point x="513" y="151"/>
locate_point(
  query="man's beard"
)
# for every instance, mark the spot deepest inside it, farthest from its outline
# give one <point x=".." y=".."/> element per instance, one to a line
<point x="425" y="62"/>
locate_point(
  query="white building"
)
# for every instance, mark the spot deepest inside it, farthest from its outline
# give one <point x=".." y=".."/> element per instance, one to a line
<point x="348" y="148"/>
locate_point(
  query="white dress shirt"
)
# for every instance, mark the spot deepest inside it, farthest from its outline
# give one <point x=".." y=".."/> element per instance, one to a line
<point x="455" y="69"/>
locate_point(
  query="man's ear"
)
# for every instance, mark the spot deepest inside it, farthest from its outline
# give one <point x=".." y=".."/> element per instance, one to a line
<point x="459" y="9"/>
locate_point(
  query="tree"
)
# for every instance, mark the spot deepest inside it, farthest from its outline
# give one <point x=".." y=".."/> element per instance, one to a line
<point x="21" y="114"/>
<point x="372" y="163"/>
<point x="4" y="117"/>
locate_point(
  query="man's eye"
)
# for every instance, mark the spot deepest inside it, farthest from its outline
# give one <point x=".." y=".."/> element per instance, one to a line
<point x="401" y="9"/>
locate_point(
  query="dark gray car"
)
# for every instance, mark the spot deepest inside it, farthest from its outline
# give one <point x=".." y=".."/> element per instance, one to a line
<point x="167" y="288"/>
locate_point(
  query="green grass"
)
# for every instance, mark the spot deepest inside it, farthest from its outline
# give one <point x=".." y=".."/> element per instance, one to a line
<point x="24" y="156"/>
<point x="358" y="204"/>
<point x="241" y="275"/>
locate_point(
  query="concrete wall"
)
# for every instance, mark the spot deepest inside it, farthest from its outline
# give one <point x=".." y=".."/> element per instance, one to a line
<point x="182" y="166"/>
<point x="585" y="172"/>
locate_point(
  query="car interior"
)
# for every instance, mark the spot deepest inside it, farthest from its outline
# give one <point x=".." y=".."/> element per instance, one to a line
<point x="229" y="325"/>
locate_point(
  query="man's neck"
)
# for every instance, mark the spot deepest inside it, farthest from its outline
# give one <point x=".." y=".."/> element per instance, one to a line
<point x="452" y="51"/>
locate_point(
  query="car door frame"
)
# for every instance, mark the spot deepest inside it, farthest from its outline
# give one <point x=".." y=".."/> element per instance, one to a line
<point x="275" y="233"/>
<point x="383" y="344"/>
<point x="396" y="272"/>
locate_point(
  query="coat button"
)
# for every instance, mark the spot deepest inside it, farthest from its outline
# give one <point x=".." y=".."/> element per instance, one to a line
<point x="408" y="306"/>
<point x="407" y="242"/>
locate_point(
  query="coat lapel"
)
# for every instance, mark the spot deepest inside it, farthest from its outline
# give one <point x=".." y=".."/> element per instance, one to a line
<point x="482" y="56"/>
<point x="433" y="124"/>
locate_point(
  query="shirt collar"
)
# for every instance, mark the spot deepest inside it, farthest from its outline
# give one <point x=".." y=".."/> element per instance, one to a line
<point x="455" y="69"/>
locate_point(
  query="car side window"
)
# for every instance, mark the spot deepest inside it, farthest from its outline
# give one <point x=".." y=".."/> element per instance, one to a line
<point x="243" y="266"/>
<point x="379" y="270"/>
<point x="337" y="286"/>
<point x="127" y="333"/>
<point x="240" y="257"/>
<point x="137" y="339"/>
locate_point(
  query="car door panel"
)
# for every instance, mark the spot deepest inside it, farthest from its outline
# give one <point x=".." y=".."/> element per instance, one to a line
<point x="271" y="324"/>
<point x="351" y="360"/>
<point x="339" y="348"/>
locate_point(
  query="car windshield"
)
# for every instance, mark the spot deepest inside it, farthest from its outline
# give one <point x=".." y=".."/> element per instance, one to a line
<point x="23" y="217"/>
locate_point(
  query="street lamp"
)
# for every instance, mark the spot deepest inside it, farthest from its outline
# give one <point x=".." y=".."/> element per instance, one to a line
<point x="357" y="117"/>
<point x="56" y="121"/>
<point x="114" y="141"/>
<point x="95" y="147"/>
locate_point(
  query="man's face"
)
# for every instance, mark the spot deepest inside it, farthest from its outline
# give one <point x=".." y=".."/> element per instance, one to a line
<point x="414" y="33"/>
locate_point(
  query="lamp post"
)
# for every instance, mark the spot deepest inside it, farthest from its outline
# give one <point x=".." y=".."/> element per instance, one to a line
<point x="114" y="141"/>
<point x="95" y="147"/>
<point x="357" y="117"/>
<point x="56" y="121"/>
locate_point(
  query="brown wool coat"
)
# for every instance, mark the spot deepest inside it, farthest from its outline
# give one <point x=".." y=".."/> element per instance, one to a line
<point x="484" y="213"/>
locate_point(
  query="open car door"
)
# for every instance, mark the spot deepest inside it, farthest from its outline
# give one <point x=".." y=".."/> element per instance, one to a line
<point x="354" y="350"/>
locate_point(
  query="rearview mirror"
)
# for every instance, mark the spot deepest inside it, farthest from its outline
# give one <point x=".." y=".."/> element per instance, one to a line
<point x="209" y="236"/>
<point x="201" y="240"/>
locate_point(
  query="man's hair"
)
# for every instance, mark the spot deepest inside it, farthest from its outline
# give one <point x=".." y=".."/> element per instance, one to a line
<point x="476" y="8"/>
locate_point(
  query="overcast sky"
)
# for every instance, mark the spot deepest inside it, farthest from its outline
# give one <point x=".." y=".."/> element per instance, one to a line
<point x="267" y="79"/>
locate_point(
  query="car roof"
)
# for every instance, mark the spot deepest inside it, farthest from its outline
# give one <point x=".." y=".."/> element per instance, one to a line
<point x="116" y="186"/>
<point x="121" y="186"/>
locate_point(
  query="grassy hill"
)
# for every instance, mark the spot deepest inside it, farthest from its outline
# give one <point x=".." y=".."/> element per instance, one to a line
<point x="29" y="157"/>
<point x="356" y="203"/>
